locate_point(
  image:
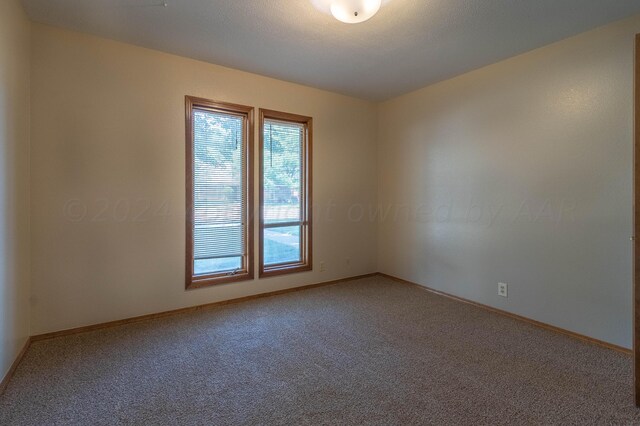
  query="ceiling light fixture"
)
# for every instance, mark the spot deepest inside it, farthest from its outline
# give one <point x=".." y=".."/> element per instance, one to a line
<point x="350" y="11"/>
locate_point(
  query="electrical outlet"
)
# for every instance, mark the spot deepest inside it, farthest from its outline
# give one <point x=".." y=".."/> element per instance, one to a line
<point x="322" y="267"/>
<point x="503" y="289"/>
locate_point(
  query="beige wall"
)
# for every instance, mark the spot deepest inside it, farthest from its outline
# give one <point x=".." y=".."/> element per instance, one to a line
<point x="14" y="182"/>
<point x="520" y="172"/>
<point x="108" y="133"/>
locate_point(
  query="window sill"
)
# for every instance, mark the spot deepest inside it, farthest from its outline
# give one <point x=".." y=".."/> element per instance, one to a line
<point x="276" y="270"/>
<point x="202" y="282"/>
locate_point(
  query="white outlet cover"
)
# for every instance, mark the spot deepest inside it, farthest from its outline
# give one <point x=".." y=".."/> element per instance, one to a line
<point x="503" y="289"/>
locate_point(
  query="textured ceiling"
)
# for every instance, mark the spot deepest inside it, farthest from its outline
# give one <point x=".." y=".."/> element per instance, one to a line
<point x="407" y="45"/>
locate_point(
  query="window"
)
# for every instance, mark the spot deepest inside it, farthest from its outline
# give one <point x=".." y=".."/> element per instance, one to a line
<point x="285" y="193"/>
<point x="219" y="193"/>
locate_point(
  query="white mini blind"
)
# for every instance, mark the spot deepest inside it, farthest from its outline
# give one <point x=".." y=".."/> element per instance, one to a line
<point x="219" y="192"/>
<point x="282" y="170"/>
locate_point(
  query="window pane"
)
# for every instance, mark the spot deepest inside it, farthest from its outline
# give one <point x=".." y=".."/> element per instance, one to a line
<point x="219" y="192"/>
<point x="282" y="159"/>
<point x="282" y="245"/>
<point x="209" y="266"/>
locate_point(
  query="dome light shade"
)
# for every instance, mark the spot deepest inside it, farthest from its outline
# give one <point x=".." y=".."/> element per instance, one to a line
<point x="354" y="11"/>
<point x="350" y="11"/>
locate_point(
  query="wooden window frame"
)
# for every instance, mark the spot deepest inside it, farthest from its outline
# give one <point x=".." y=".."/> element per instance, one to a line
<point x="306" y="219"/>
<point x="247" y="273"/>
<point x="635" y="238"/>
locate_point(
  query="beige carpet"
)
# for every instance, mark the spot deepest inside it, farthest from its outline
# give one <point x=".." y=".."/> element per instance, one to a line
<point x="366" y="352"/>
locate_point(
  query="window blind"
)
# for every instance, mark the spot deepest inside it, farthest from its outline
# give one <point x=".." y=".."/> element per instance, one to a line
<point x="219" y="192"/>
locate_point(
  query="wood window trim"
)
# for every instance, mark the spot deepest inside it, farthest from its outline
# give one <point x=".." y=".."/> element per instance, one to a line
<point x="635" y="238"/>
<point x="191" y="281"/>
<point x="307" y="218"/>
